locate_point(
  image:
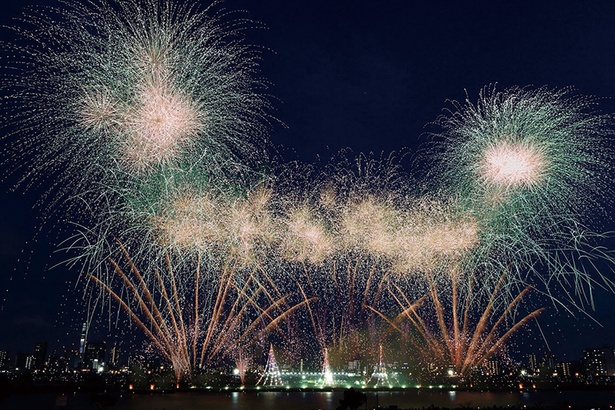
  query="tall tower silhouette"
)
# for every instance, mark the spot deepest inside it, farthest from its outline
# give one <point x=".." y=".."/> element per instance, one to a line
<point x="83" y="340"/>
<point x="272" y="375"/>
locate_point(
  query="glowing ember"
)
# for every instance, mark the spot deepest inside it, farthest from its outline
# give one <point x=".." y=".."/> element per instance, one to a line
<point x="163" y="123"/>
<point x="188" y="222"/>
<point x="306" y="238"/>
<point x="511" y="165"/>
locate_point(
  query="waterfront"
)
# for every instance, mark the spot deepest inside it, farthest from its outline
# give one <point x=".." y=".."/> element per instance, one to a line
<point x="294" y="400"/>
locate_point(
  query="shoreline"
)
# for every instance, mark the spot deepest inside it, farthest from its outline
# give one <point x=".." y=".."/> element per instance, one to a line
<point x="17" y="387"/>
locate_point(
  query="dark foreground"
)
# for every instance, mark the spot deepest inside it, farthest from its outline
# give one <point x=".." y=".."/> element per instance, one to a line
<point x="295" y="400"/>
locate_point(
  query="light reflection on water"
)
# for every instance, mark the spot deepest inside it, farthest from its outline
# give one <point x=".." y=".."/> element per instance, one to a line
<point x="315" y="400"/>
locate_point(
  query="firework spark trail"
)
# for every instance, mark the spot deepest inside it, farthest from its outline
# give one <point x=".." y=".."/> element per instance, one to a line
<point x="533" y="162"/>
<point x="356" y="228"/>
<point x="232" y="314"/>
<point x="242" y="363"/>
<point x="228" y="226"/>
<point x="358" y="235"/>
<point x="534" y="166"/>
<point x="118" y="90"/>
<point x="333" y="247"/>
<point x="350" y="232"/>
<point x="464" y="345"/>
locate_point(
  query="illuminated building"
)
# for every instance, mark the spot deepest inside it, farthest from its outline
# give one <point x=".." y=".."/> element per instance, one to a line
<point x="4" y="359"/>
<point x="532" y="362"/>
<point x="94" y="357"/>
<point x="83" y="340"/>
<point x="40" y="355"/>
<point x="599" y="361"/>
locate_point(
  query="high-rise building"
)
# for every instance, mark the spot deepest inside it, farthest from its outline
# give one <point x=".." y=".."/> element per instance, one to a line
<point x="94" y="356"/>
<point x="599" y="361"/>
<point x="492" y="368"/>
<point x="4" y="359"/>
<point x="549" y="361"/>
<point x="116" y="351"/>
<point x="24" y="361"/>
<point x="74" y="359"/>
<point x="532" y="362"/>
<point x="565" y="369"/>
<point x="83" y="339"/>
<point x="30" y="360"/>
<point x="21" y="359"/>
<point x="40" y="355"/>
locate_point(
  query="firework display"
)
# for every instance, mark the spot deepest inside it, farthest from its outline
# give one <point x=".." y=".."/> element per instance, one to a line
<point x="151" y="113"/>
<point x="534" y="164"/>
<point x="464" y="336"/>
<point x="119" y="90"/>
<point x="195" y="319"/>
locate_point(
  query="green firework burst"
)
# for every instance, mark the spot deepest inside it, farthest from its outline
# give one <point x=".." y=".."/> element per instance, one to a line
<point x="533" y="165"/>
<point x="104" y="93"/>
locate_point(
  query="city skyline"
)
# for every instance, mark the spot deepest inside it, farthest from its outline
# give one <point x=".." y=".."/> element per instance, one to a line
<point x="595" y="367"/>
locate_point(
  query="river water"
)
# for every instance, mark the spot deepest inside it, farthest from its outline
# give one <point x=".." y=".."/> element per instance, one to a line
<point x="311" y="400"/>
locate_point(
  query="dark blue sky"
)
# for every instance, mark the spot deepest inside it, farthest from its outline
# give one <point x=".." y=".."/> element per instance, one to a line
<point x="368" y="75"/>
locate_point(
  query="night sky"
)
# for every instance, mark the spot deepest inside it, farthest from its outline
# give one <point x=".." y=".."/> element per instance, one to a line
<point x="362" y="74"/>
